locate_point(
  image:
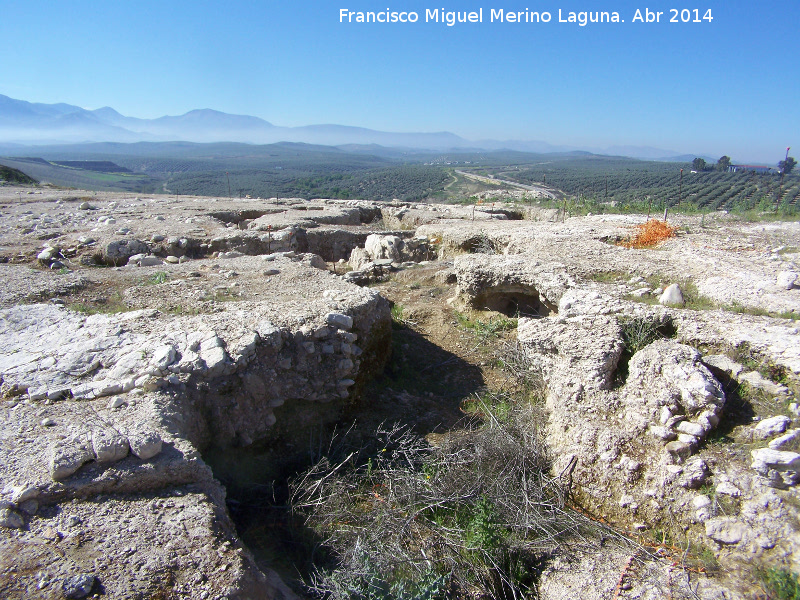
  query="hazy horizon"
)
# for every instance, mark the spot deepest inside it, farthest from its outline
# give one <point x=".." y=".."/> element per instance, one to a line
<point x="725" y="86"/>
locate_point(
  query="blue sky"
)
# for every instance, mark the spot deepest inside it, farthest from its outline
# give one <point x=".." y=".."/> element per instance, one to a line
<point x="729" y="86"/>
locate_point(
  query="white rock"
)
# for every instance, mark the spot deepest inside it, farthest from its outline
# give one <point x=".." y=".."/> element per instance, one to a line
<point x="339" y="320"/>
<point x="23" y="493"/>
<point x="766" y="458"/>
<point x="115" y="402"/>
<point x="145" y="444"/>
<point x="690" y="428"/>
<point x="771" y="427"/>
<point x="724" y="364"/>
<point x="756" y="380"/>
<point x="172" y="260"/>
<point x="150" y="261"/>
<point x="11" y="519"/>
<point x="109" y="445"/>
<point x="67" y="457"/>
<point x="785" y="440"/>
<point x="726" y="530"/>
<point x="728" y="489"/>
<point x="672" y="296"/>
<point x="787" y="279"/>
<point x="163" y="357"/>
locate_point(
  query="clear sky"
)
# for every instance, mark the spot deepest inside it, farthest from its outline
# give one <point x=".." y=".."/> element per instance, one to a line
<point x="729" y="86"/>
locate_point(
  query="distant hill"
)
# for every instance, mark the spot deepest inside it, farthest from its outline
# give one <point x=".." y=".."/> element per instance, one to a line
<point x="24" y="122"/>
<point x="12" y="175"/>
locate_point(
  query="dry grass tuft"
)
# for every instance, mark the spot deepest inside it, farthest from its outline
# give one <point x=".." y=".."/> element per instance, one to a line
<point x="649" y="234"/>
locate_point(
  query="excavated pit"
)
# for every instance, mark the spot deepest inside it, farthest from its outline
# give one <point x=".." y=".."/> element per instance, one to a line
<point x="515" y="301"/>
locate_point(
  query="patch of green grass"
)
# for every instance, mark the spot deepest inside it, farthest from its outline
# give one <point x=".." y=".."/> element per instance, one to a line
<point x="107" y="308"/>
<point x="490" y="328"/>
<point x="397" y="312"/>
<point x="608" y="277"/>
<point x="780" y="584"/>
<point x="495" y="406"/>
<point x="157" y="278"/>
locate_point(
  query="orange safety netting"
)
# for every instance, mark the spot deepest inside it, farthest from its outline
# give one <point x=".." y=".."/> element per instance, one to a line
<point x="649" y="234"/>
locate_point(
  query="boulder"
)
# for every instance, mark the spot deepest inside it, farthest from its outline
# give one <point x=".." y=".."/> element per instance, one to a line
<point x="672" y="296"/>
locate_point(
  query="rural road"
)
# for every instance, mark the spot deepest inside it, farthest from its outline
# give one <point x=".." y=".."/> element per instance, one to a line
<point x="495" y="181"/>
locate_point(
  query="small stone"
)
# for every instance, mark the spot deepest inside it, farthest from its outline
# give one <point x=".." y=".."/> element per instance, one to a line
<point x="672" y="296"/>
<point x="78" y="586"/>
<point x="173" y="260"/>
<point x="271" y="272"/>
<point x="771" y="427"/>
<point x="11" y="519"/>
<point x="338" y="320"/>
<point x="29" y="507"/>
<point x="68" y="457"/>
<point x="725" y="530"/>
<point x="116" y="402"/>
<point x="23" y="493"/>
<point x="678" y="451"/>
<point x="48" y="423"/>
<point x="785" y="440"/>
<point x="158" y="237"/>
<point x="728" y="489"/>
<point x="109" y="445"/>
<point x="694" y="473"/>
<point x="787" y="279"/>
<point x="84" y="206"/>
<point x="145" y="444"/>
<point x="150" y="261"/>
<point x="690" y="428"/>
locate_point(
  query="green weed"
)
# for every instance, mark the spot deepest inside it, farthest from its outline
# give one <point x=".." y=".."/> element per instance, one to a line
<point x="781" y="584"/>
<point x="157" y="278"/>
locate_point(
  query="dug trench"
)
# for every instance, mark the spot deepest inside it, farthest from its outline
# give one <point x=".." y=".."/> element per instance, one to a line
<point x="440" y="360"/>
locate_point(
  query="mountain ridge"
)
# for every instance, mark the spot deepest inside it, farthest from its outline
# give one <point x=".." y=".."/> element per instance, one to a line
<point x="29" y="123"/>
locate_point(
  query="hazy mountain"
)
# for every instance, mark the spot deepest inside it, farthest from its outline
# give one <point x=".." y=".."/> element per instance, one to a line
<point x="24" y="122"/>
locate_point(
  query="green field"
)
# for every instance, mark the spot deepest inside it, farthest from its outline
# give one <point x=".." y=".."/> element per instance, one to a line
<point x="596" y="183"/>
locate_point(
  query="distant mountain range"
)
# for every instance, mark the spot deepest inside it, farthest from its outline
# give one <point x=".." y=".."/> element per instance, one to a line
<point x="30" y="123"/>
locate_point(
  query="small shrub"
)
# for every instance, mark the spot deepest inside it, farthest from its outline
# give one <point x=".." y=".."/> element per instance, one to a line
<point x="157" y="278"/>
<point x="781" y="584"/>
<point x="638" y="332"/>
<point x="649" y="234"/>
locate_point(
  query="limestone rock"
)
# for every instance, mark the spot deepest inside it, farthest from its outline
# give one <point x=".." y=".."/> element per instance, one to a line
<point x="756" y="380"/>
<point x="780" y="468"/>
<point x="722" y="363"/>
<point x="771" y="427"/>
<point x="150" y="261"/>
<point x="67" y="456"/>
<point x="11" y="519"/>
<point x="779" y="443"/>
<point x="109" y="445"/>
<point x="339" y="320"/>
<point x="384" y="246"/>
<point x="118" y="252"/>
<point x="665" y="374"/>
<point x="144" y="444"/>
<point x="787" y="279"/>
<point x="78" y="586"/>
<point x="726" y="530"/>
<point x="672" y="296"/>
<point x="24" y="493"/>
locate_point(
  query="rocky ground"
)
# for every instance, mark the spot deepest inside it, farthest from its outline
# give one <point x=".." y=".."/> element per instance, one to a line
<point x="141" y="333"/>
